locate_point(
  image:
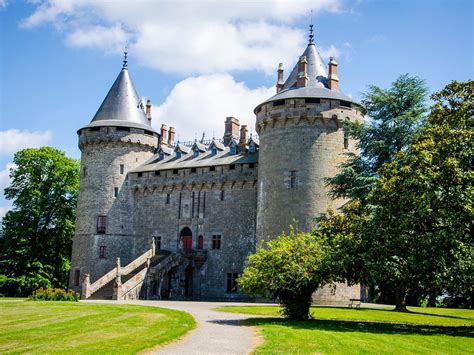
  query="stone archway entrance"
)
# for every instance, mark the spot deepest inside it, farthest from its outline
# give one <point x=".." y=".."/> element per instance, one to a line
<point x="186" y="237"/>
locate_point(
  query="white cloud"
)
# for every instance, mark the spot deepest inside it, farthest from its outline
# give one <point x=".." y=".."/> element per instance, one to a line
<point x="202" y="103"/>
<point x="3" y="4"/>
<point x="186" y="37"/>
<point x="13" y="140"/>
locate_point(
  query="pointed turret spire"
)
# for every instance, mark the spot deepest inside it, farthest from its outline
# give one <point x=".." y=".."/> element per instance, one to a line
<point x="311" y="36"/>
<point x="125" y="61"/>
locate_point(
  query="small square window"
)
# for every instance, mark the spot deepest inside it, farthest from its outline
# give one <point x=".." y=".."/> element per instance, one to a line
<point x="216" y="242"/>
<point x="102" y="250"/>
<point x="193" y="170"/>
<point x="251" y="165"/>
<point x="157" y="173"/>
<point x="175" y="171"/>
<point x="140" y="174"/>
<point x="232" y="282"/>
<point x="212" y="168"/>
<point x="232" y="167"/>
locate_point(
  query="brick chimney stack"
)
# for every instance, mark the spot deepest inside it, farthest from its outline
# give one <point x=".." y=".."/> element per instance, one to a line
<point x="232" y="127"/>
<point x="148" y="110"/>
<point x="302" y="79"/>
<point x="171" y="135"/>
<point x="164" y="134"/>
<point x="244" y="136"/>
<point x="333" y="79"/>
<point x="280" y="81"/>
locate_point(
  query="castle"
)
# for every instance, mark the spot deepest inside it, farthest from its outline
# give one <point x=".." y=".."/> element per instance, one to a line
<point x="163" y="220"/>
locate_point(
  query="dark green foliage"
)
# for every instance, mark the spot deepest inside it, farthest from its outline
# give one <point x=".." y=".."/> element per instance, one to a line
<point x="416" y="236"/>
<point x="394" y="116"/>
<point x="54" y="294"/>
<point x="36" y="238"/>
<point x="289" y="268"/>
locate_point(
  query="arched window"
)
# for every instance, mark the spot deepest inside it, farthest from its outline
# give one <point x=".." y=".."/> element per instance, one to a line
<point x="186" y="238"/>
<point x="200" y="242"/>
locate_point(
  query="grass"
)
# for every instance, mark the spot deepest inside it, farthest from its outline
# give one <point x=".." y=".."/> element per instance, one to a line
<point x="366" y="330"/>
<point x="51" y="327"/>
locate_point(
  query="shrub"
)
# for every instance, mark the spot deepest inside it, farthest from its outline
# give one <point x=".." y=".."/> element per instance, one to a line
<point x="54" y="294"/>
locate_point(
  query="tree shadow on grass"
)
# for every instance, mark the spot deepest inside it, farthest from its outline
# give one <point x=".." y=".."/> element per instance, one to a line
<point x="393" y="310"/>
<point x="364" y="326"/>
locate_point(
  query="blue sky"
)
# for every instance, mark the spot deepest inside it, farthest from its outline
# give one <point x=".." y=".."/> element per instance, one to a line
<point x="202" y="61"/>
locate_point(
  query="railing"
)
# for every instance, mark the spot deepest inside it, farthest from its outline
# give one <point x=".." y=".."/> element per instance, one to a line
<point x="88" y="289"/>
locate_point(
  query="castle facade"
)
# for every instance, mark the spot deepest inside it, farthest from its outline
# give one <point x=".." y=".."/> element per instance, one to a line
<point x="159" y="219"/>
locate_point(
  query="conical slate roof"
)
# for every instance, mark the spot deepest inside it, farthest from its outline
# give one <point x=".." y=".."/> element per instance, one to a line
<point x="316" y="70"/>
<point x="122" y="105"/>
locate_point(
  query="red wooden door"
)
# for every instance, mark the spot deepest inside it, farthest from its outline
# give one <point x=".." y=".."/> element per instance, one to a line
<point x="187" y="242"/>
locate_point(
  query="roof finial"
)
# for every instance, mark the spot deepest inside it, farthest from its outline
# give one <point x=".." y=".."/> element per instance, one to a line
<point x="125" y="53"/>
<point x="311" y="36"/>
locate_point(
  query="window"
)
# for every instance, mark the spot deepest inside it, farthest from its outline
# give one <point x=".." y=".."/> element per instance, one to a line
<point x="312" y="100"/>
<point x="175" y="171"/>
<point x="222" y="197"/>
<point x="162" y="155"/>
<point x="251" y="165"/>
<point x="178" y="154"/>
<point x="232" y="282"/>
<point x="102" y="250"/>
<point x="232" y="167"/>
<point x="216" y="242"/>
<point x="193" y="170"/>
<point x="346" y="141"/>
<point x="200" y="242"/>
<point x="168" y="198"/>
<point x="84" y="171"/>
<point x="140" y="174"/>
<point x="293" y="179"/>
<point x="115" y="191"/>
<point x="233" y="149"/>
<point x="252" y="147"/>
<point x="212" y="168"/>
<point x="345" y="103"/>
<point x="279" y="103"/>
<point x="126" y="129"/>
<point x="122" y="169"/>
<point x="101" y="224"/>
<point x="195" y="153"/>
<point x="157" y="242"/>
<point x="94" y="129"/>
<point x="77" y="277"/>
<point x="157" y="173"/>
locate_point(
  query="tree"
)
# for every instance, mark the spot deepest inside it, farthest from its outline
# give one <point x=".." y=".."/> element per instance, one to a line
<point x="35" y="246"/>
<point x="394" y="115"/>
<point x="417" y="231"/>
<point x="289" y="268"/>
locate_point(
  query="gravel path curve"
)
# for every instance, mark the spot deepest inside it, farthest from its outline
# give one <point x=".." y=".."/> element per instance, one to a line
<point x="216" y="332"/>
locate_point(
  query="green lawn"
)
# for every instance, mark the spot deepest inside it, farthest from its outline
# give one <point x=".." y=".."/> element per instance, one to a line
<point x="344" y="330"/>
<point x="49" y="327"/>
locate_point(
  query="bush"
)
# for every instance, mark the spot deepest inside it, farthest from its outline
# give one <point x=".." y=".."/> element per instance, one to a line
<point x="54" y="294"/>
<point x="22" y="286"/>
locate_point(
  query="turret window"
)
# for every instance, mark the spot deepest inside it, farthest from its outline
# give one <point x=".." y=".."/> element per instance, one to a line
<point x="77" y="277"/>
<point x="116" y="190"/>
<point x="101" y="224"/>
<point x="84" y="171"/>
<point x="346" y="141"/>
<point x="216" y="241"/>
<point x="168" y="199"/>
<point x="122" y="169"/>
<point x="102" y="250"/>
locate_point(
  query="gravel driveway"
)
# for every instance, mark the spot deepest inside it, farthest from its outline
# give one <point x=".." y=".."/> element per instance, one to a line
<point x="216" y="332"/>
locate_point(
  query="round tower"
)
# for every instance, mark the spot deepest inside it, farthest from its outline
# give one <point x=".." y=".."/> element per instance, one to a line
<point x="118" y="139"/>
<point x="301" y="143"/>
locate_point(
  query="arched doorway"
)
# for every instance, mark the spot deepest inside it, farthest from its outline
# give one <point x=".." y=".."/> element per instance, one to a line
<point x="200" y="242"/>
<point x="186" y="238"/>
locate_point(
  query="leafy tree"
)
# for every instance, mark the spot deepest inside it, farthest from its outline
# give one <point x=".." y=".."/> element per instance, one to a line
<point x="394" y="116"/>
<point x="417" y="230"/>
<point x="289" y="268"/>
<point x="36" y="241"/>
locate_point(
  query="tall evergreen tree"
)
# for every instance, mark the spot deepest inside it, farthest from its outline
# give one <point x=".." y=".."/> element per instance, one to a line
<point x="36" y="241"/>
<point x="394" y="115"/>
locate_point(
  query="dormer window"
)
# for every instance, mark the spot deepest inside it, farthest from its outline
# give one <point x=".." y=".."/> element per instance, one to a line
<point x="233" y="149"/>
<point x="195" y="153"/>
<point x="252" y="147"/>
<point x="178" y="154"/>
<point x="162" y="155"/>
<point x="213" y="151"/>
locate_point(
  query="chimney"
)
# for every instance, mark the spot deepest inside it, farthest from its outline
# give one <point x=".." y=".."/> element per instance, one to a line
<point x="333" y="79"/>
<point x="148" y="110"/>
<point x="302" y="79"/>
<point x="172" y="133"/>
<point x="231" y="129"/>
<point x="164" y="134"/>
<point x="244" y="136"/>
<point x="280" y="81"/>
